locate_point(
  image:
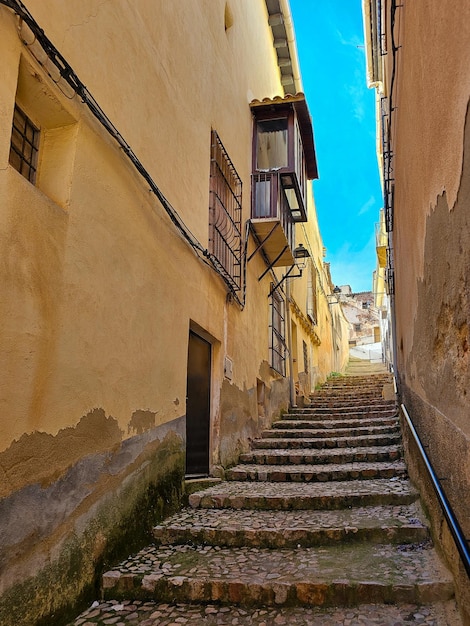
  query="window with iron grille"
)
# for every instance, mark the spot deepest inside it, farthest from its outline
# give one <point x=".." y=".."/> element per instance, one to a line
<point x="225" y="213"/>
<point x="312" y="292"/>
<point x="305" y="353"/>
<point x="277" y="346"/>
<point x="24" y="145"/>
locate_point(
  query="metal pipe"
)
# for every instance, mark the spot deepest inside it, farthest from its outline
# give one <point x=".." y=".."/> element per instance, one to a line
<point x="288" y="23"/>
<point x="454" y="526"/>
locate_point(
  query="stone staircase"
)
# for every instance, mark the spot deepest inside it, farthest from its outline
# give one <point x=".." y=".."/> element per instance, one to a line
<point x="318" y="524"/>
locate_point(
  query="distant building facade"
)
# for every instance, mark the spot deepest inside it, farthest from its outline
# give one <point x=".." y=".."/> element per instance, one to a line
<point x="418" y="63"/>
<point x="382" y="285"/>
<point x="361" y="313"/>
<point x="155" y="168"/>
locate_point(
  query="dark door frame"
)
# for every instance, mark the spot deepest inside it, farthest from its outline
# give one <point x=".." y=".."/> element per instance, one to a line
<point x="198" y="405"/>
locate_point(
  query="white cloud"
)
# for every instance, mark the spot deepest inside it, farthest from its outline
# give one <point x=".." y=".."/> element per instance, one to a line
<point x="354" y="41"/>
<point x="366" y="206"/>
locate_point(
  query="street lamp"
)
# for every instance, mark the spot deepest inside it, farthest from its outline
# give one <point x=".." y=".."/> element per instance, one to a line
<point x="301" y="254"/>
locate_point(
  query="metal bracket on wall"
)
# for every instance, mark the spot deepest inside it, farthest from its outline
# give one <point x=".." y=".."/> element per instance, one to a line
<point x="261" y="243"/>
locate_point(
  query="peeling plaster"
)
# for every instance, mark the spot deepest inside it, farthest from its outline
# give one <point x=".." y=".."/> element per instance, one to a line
<point x="241" y="420"/>
<point x="440" y="354"/>
<point x="141" y="421"/>
<point x="63" y="535"/>
<point x="42" y="458"/>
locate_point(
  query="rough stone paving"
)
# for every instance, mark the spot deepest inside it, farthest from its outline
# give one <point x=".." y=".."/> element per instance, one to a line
<point x="317" y="525"/>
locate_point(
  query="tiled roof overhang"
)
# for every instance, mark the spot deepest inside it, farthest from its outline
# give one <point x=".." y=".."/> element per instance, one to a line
<point x="280" y="21"/>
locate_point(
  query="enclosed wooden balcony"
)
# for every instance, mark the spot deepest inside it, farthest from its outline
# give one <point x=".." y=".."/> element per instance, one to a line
<point x="283" y="161"/>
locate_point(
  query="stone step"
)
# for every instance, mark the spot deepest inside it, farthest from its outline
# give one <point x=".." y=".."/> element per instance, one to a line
<point x="326" y="405"/>
<point x="305" y="496"/>
<point x="356" y="381"/>
<point x="353" y="386"/>
<point x="331" y="416"/>
<point x="360" y="390"/>
<point x="308" y="456"/>
<point x="348" y="398"/>
<point x="352" y="422"/>
<point x="316" y="473"/>
<point x="343" y="406"/>
<point x="130" y="613"/>
<point x="311" y="433"/>
<point x="341" y="575"/>
<point x="367" y="380"/>
<point x="318" y="525"/>
<point x="325" y="442"/>
<point x="351" y="400"/>
<point x="375" y="390"/>
<point x="294" y="529"/>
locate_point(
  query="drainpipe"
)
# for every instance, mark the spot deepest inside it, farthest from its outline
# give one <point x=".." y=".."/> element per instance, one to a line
<point x="394" y="321"/>
<point x="289" y="25"/>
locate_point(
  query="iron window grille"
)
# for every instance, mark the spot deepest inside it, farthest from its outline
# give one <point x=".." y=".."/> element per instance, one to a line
<point x="277" y="344"/>
<point x="305" y="353"/>
<point x="390" y="273"/>
<point x="225" y="212"/>
<point x="24" y="145"/>
<point x="312" y="301"/>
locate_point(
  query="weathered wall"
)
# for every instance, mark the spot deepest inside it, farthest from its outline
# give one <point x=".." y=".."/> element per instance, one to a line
<point x="61" y="529"/>
<point x="431" y="147"/>
<point x="327" y="338"/>
<point x="242" y="418"/>
<point x="99" y="290"/>
<point x="441" y="368"/>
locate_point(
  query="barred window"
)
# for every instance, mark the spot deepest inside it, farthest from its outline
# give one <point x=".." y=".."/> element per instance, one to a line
<point x="225" y="213"/>
<point x="312" y="292"/>
<point x="24" y="145"/>
<point x="277" y="346"/>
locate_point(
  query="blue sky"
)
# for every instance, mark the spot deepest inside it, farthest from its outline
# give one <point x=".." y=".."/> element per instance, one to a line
<point x="348" y="196"/>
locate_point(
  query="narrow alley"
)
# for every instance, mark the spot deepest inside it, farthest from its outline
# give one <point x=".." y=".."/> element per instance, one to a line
<point x="209" y="210"/>
<point x="317" y="525"/>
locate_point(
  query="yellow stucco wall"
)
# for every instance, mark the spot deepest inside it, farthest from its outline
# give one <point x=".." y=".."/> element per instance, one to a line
<point x="98" y="288"/>
<point x="327" y="340"/>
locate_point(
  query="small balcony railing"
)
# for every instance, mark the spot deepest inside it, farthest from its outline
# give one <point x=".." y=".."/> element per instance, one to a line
<point x="272" y="217"/>
<point x="381" y="244"/>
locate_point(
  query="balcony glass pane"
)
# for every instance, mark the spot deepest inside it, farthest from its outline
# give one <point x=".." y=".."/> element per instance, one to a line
<point x="262" y="198"/>
<point x="272" y="144"/>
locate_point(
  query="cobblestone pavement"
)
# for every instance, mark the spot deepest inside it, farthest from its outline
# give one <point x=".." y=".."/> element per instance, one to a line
<point x="256" y="520"/>
<point x="356" y="563"/>
<point x="328" y="495"/>
<point x="139" y="613"/>
<point x="318" y="525"/>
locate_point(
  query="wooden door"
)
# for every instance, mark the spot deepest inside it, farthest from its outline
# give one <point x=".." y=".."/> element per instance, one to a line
<point x="198" y="406"/>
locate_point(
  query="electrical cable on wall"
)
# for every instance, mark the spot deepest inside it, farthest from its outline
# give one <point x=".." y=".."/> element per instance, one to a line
<point x="78" y="87"/>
